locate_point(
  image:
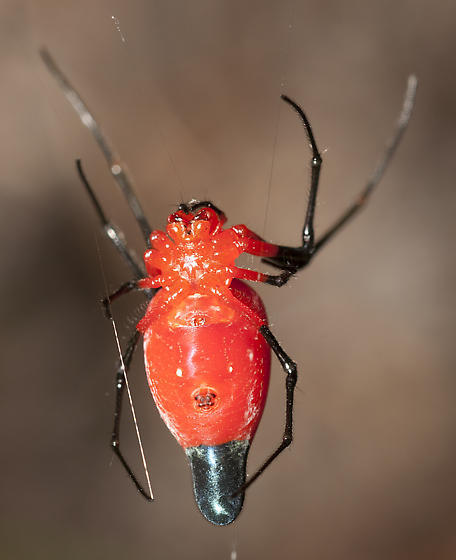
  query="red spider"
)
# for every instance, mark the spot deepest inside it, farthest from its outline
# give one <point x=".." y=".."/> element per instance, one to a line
<point x="206" y="337"/>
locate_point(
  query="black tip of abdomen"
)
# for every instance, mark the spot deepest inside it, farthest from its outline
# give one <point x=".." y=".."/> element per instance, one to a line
<point x="218" y="472"/>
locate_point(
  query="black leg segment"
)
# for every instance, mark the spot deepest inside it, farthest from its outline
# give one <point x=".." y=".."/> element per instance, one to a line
<point x="375" y="178"/>
<point x="112" y="233"/>
<point x="289" y="367"/>
<point x="120" y="387"/>
<point x="125" y="288"/>
<point x="116" y="167"/>
<point x="295" y="258"/>
<point x="308" y="236"/>
<point x="281" y="279"/>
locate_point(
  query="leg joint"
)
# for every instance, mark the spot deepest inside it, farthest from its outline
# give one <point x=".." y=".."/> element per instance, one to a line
<point x="316" y="161"/>
<point x="292" y="372"/>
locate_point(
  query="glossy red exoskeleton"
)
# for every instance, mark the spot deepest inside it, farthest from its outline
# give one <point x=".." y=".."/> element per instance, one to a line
<point x="206" y="337"/>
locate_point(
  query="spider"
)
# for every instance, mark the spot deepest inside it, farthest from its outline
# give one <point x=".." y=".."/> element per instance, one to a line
<point x="207" y="343"/>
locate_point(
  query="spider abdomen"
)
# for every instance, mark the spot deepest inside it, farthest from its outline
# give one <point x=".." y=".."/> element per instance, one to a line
<point x="208" y="367"/>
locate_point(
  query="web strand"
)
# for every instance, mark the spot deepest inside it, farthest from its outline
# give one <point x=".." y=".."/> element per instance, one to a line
<point x="132" y="408"/>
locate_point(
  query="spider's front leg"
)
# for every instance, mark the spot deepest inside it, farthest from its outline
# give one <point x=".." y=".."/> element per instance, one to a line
<point x="288" y="259"/>
<point x="294" y="258"/>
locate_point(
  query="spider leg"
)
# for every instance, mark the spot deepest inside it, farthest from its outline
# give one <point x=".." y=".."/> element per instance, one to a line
<point x="125" y="288"/>
<point x="116" y="167"/>
<point x="253" y="244"/>
<point x="274" y="280"/>
<point x="114" y="234"/>
<point x="375" y="178"/>
<point x="295" y="258"/>
<point x="289" y="367"/>
<point x="118" y="240"/>
<point x="120" y="387"/>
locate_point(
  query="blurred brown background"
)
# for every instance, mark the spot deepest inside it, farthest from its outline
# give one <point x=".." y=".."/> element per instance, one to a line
<point x="191" y="101"/>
